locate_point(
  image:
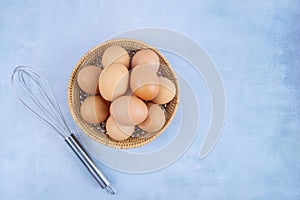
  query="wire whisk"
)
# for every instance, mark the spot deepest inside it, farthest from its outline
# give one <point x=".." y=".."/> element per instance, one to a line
<point x="33" y="91"/>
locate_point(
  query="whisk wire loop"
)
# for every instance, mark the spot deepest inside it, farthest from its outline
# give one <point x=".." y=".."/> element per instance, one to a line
<point x="48" y="108"/>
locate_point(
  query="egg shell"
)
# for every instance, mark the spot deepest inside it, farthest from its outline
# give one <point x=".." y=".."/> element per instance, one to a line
<point x="113" y="81"/>
<point x="117" y="131"/>
<point x="94" y="109"/>
<point x="167" y="91"/>
<point x="87" y="79"/>
<point x="155" y="119"/>
<point x="128" y="110"/>
<point x="115" y="54"/>
<point x="145" y="56"/>
<point x="144" y="82"/>
<point x="155" y="67"/>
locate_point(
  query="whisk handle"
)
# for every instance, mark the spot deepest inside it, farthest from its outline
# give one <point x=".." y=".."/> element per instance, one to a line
<point x="88" y="162"/>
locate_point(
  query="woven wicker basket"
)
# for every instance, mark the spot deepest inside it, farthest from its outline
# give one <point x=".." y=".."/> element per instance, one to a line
<point x="76" y="95"/>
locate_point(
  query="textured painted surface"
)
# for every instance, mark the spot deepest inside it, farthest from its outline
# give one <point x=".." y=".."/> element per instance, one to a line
<point x="256" y="48"/>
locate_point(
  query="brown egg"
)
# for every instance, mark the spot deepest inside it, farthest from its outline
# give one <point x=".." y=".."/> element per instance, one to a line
<point x="94" y="109"/>
<point x="144" y="82"/>
<point x="117" y="131"/>
<point x="128" y="110"/>
<point x="155" y="120"/>
<point x="115" y="54"/>
<point x="155" y="67"/>
<point x="87" y="79"/>
<point x="167" y="91"/>
<point x="146" y="56"/>
<point x="113" y="81"/>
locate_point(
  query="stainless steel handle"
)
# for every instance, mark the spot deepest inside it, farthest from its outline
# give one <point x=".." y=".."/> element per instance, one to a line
<point x="88" y="162"/>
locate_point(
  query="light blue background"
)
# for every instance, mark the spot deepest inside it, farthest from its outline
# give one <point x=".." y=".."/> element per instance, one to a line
<point x="255" y="45"/>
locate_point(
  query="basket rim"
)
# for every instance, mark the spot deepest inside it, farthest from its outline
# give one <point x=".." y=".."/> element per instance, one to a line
<point x="70" y="94"/>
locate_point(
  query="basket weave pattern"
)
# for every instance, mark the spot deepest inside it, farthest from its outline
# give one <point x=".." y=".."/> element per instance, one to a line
<point x="76" y="95"/>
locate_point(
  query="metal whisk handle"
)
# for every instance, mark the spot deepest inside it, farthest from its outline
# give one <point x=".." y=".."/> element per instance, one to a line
<point x="88" y="162"/>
